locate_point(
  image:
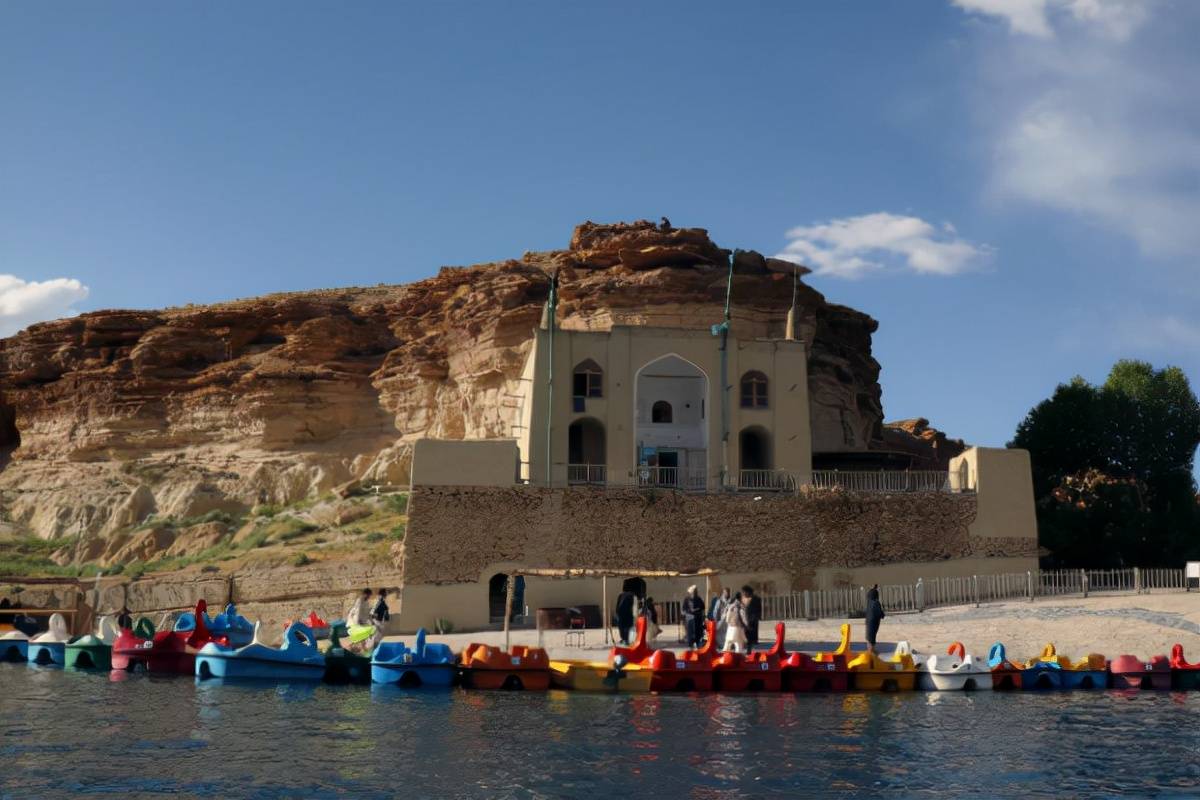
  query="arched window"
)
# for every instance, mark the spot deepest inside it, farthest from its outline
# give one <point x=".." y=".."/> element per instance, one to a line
<point x="754" y="390"/>
<point x="589" y="379"/>
<point x="661" y="412"/>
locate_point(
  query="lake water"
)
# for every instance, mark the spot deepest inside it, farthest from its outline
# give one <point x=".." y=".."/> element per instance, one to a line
<point x="67" y="733"/>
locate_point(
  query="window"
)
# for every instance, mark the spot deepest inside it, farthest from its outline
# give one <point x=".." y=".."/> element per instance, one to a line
<point x="754" y="390"/>
<point x="661" y="412"/>
<point x="589" y="380"/>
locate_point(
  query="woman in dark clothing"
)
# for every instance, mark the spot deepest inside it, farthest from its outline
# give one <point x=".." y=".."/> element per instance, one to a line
<point x="874" y="616"/>
<point x="624" y="615"/>
<point x="753" y="616"/>
<point x="693" y="617"/>
<point x="380" y="613"/>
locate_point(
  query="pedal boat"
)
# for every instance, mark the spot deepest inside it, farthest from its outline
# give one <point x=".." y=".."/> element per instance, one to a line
<point x="688" y="671"/>
<point x="1184" y="675"/>
<point x="601" y="676"/>
<point x="956" y="671"/>
<point x="1089" y="672"/>
<point x="131" y="644"/>
<point x="424" y="665"/>
<point x="297" y="660"/>
<point x="167" y="652"/>
<point x="1006" y="675"/>
<point x="1130" y="672"/>
<point x="49" y="648"/>
<point x="341" y="665"/>
<point x="756" y="671"/>
<point x="823" y="672"/>
<point x="14" y="647"/>
<point x="228" y="625"/>
<point x="870" y="673"/>
<point x="1046" y="671"/>
<point x="92" y="651"/>
<point x="521" y="667"/>
<point x="320" y="628"/>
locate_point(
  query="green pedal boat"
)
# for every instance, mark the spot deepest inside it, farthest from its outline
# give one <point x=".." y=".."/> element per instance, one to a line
<point x="94" y="650"/>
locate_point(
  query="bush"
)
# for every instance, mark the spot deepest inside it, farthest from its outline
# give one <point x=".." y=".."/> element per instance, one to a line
<point x="295" y="528"/>
<point x="398" y="532"/>
<point x="266" y="510"/>
<point x="135" y="569"/>
<point x="375" y="536"/>
<point x="397" y="503"/>
<point x="210" y="568"/>
<point x="256" y="539"/>
<point x="301" y="560"/>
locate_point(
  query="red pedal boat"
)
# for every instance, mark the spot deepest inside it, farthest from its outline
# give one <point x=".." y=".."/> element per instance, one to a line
<point x="756" y="671"/>
<point x="823" y="672"/>
<point x="1184" y="675"/>
<point x="689" y="671"/>
<point x="487" y="667"/>
<point x="1130" y="672"/>
<point x="168" y="651"/>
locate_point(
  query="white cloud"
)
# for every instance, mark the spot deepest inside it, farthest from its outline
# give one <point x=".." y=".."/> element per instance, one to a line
<point x="853" y="247"/>
<point x="1117" y="19"/>
<point x="24" y="302"/>
<point x="1095" y="115"/>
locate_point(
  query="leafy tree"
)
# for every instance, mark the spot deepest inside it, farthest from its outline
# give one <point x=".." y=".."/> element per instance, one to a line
<point x="1112" y="469"/>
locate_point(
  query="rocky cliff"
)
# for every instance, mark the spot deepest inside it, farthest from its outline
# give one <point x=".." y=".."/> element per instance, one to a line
<point x="113" y="416"/>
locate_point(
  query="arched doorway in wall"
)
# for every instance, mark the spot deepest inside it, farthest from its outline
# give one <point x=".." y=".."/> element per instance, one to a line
<point x="498" y="596"/>
<point x="587" y="447"/>
<point x="755" y="466"/>
<point x="671" y="423"/>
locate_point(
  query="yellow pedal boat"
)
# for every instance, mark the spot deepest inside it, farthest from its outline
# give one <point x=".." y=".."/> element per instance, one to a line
<point x="599" y="676"/>
<point x="871" y="673"/>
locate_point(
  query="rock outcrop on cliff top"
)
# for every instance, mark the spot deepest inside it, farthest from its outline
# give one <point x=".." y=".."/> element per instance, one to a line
<point x="113" y="416"/>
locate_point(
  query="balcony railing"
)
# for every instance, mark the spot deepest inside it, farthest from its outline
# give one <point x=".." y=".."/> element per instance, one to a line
<point x="894" y="481"/>
<point x="765" y="480"/>
<point x="672" y="477"/>
<point x="587" y="474"/>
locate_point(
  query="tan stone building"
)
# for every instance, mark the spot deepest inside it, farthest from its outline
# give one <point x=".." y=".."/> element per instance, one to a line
<point x="644" y="448"/>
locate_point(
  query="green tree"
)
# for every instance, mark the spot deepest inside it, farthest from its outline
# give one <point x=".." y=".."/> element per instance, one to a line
<point x="1112" y="469"/>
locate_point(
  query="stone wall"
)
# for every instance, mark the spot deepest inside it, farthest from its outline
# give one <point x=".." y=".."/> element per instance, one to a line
<point x="455" y="533"/>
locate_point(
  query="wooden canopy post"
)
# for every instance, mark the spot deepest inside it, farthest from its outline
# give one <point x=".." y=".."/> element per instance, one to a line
<point x="508" y="601"/>
<point x="604" y="617"/>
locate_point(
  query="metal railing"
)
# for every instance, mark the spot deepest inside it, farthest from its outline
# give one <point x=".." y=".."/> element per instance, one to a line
<point x="591" y="474"/>
<point x="893" y="481"/>
<point x="973" y="589"/>
<point x="672" y="477"/>
<point x="765" y="480"/>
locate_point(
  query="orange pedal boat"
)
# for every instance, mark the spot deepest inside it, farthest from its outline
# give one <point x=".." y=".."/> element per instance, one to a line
<point x="689" y="671"/>
<point x="487" y="667"/>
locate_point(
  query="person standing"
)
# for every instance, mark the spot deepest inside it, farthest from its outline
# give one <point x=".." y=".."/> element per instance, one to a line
<point x="359" y="613"/>
<point x="693" y="617"/>
<point x="735" y="626"/>
<point x="650" y="612"/>
<point x="720" y="605"/>
<point x="380" y="614"/>
<point x="624" y="614"/>
<point x="753" y="615"/>
<point x="874" y="616"/>
<point x="124" y="618"/>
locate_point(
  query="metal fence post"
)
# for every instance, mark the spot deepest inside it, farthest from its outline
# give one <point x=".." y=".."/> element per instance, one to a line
<point x="807" y="605"/>
<point x="1137" y="580"/>
<point x="1084" y="582"/>
<point x="1029" y="584"/>
<point x="920" y="594"/>
<point x="975" y="588"/>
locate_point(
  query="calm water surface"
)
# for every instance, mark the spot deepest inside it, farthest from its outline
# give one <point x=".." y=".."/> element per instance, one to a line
<point x="67" y="733"/>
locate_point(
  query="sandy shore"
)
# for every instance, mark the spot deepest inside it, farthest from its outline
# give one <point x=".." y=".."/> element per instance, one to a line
<point x="1141" y="625"/>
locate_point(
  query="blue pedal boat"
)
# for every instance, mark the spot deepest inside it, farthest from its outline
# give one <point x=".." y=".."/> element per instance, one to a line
<point x="14" y="647"/>
<point x="297" y="660"/>
<point x="1045" y="671"/>
<point x="229" y="624"/>
<point x="49" y="648"/>
<point x="424" y="665"/>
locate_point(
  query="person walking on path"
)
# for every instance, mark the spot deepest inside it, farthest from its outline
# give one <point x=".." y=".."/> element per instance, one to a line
<point x="359" y="613"/>
<point x="624" y="614"/>
<point x="380" y="613"/>
<point x="874" y="616"/>
<point x="693" y="617"/>
<point x="735" y="626"/>
<point x="753" y="615"/>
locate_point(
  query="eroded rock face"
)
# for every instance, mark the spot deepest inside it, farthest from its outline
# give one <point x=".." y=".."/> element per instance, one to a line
<point x="929" y="447"/>
<point x="112" y="416"/>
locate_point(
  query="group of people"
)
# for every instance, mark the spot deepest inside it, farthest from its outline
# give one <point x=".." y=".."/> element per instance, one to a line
<point x="364" y="613"/>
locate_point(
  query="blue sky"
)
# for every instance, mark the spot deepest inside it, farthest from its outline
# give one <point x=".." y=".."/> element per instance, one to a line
<point x="1011" y="187"/>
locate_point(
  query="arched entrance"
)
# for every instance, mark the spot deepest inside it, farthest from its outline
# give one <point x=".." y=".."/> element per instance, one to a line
<point x="498" y="596"/>
<point x="754" y="450"/>
<point x="586" y="451"/>
<point x="671" y="424"/>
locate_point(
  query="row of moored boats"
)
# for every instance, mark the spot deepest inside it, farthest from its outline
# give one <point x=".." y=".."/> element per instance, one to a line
<point x="227" y="646"/>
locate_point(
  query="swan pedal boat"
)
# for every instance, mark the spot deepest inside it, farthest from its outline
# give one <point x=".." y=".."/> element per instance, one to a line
<point x="228" y="625"/>
<point x="49" y="648"/>
<point x="1006" y="675"/>
<point x="342" y="666"/>
<point x="822" y="672"/>
<point x="955" y="671"/>
<point x="425" y="664"/>
<point x="755" y="671"/>
<point x="1130" y="672"/>
<point x="94" y="650"/>
<point x="297" y="660"/>
<point x="871" y="673"/>
<point x="688" y="671"/>
<point x="14" y="647"/>
<point x="521" y="667"/>
<point x="169" y="651"/>
<point x="1045" y="671"/>
<point x="1184" y="675"/>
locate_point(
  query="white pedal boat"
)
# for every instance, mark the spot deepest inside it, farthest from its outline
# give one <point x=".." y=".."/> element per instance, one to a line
<point x="955" y="671"/>
<point x="49" y="648"/>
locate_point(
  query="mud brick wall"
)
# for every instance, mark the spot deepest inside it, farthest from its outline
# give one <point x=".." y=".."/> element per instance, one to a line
<point x="454" y="533"/>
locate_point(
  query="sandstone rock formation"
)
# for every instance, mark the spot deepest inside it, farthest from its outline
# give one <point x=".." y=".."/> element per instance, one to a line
<point x="929" y="447"/>
<point x="114" y="416"/>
